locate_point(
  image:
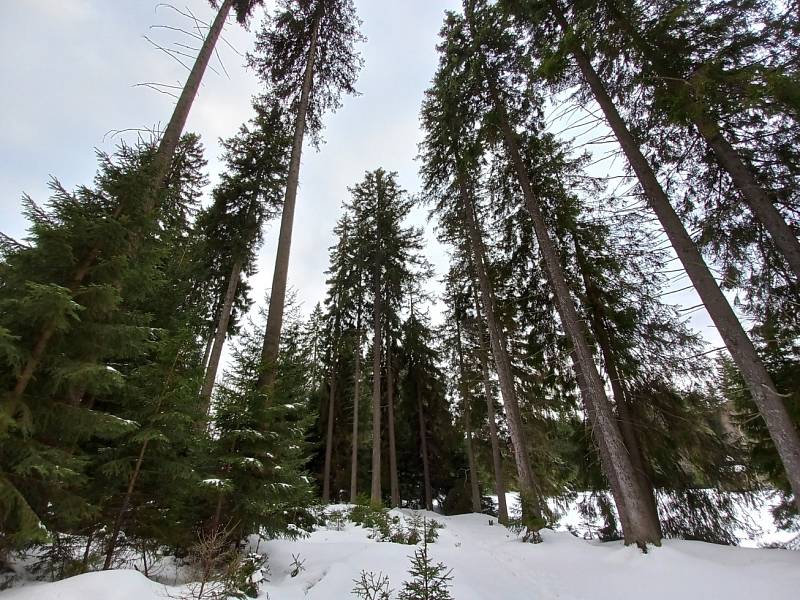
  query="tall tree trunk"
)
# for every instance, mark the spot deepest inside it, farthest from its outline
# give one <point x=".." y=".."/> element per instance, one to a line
<point x="326" y="473"/>
<point x="393" y="482"/>
<point x="375" y="496"/>
<point x="209" y="342"/>
<point x="473" y="471"/>
<point x="277" y="298"/>
<point x="172" y="134"/>
<point x="631" y="503"/>
<point x="497" y="457"/>
<point x="525" y="475"/>
<point x="423" y="449"/>
<point x="754" y="194"/>
<point x="356" y="398"/>
<point x="159" y="167"/>
<point x="223" y="321"/>
<point x="598" y="323"/>
<point x="759" y="382"/>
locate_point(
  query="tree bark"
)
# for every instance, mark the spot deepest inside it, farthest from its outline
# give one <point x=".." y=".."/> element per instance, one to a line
<point x="393" y="482"/>
<point x="223" y="322"/>
<point x="277" y="299"/>
<point x="497" y="457"/>
<point x="160" y="167"/>
<point x="638" y="524"/>
<point x="377" y="319"/>
<point x="502" y="363"/>
<point x="473" y="471"/>
<point x="209" y="342"/>
<point x="423" y="449"/>
<point x="356" y="397"/>
<point x="743" y="352"/>
<point x="621" y="397"/>
<point x="326" y="473"/>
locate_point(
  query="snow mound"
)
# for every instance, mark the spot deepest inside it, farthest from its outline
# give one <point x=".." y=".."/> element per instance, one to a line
<point x="101" y="585"/>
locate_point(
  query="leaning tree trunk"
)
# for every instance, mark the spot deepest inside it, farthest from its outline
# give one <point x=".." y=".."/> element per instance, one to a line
<point x="277" y="298"/>
<point x="743" y="176"/>
<point x="356" y="398"/>
<point x="219" y="337"/>
<point x="754" y="194"/>
<point x="497" y="457"/>
<point x="159" y="167"/>
<point x="765" y="395"/>
<point x="473" y="471"/>
<point x="423" y="449"/>
<point x="527" y="481"/>
<point x="393" y="481"/>
<point x="639" y="526"/>
<point x="630" y="438"/>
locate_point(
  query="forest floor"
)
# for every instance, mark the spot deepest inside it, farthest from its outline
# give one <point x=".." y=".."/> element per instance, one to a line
<point x="487" y="560"/>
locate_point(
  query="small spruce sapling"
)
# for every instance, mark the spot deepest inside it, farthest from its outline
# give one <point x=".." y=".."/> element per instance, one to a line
<point x="429" y="581"/>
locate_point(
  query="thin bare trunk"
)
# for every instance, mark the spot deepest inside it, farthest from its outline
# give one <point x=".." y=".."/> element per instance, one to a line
<point x="423" y="449"/>
<point x="393" y="482"/>
<point x="525" y="475"/>
<point x="277" y="299"/>
<point x="136" y="471"/>
<point x="497" y="456"/>
<point x="473" y="471"/>
<point x="377" y="320"/>
<point x="126" y="502"/>
<point x="88" y="550"/>
<point x="769" y="402"/>
<point x="356" y="398"/>
<point x="376" y="405"/>
<point x="326" y="473"/>
<point x="223" y="322"/>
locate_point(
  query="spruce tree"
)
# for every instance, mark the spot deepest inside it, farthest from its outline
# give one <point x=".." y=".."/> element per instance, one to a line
<point x="305" y="56"/>
<point x="554" y="22"/>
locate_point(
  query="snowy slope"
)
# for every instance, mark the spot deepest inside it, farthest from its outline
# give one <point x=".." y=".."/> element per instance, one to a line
<point x="488" y="562"/>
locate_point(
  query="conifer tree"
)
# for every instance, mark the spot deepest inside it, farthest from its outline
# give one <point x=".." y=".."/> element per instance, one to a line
<point x="258" y="482"/>
<point x="305" y="56"/>
<point x="552" y="23"/>
<point x="109" y="331"/>
<point x="248" y="195"/>
<point x="430" y="581"/>
<point x="136" y="208"/>
<point x="702" y="63"/>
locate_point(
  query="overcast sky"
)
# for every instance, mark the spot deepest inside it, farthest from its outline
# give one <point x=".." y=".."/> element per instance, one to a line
<point x="68" y="78"/>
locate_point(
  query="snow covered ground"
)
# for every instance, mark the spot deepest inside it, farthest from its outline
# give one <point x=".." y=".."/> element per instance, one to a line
<point x="488" y="562"/>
